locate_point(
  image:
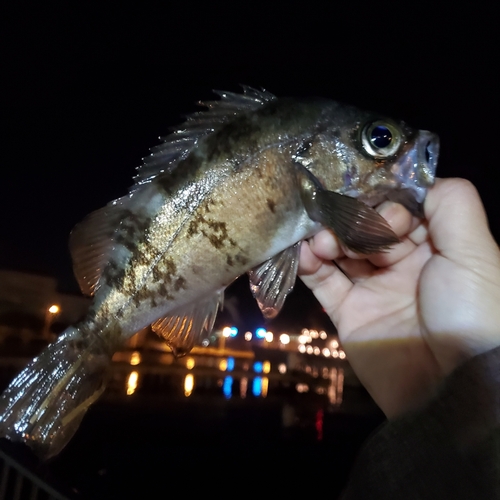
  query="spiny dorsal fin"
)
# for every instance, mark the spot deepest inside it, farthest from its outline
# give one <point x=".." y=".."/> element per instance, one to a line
<point x="177" y="145"/>
<point x="183" y="329"/>
<point x="274" y="279"/>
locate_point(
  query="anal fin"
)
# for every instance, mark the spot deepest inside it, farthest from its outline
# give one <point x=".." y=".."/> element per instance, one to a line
<point x="183" y="329"/>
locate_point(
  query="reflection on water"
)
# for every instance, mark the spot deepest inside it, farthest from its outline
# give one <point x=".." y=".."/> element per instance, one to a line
<point x="132" y="383"/>
<point x="194" y="376"/>
<point x="257" y="386"/>
<point x="243" y="387"/>
<point x="188" y="384"/>
<point x="231" y="386"/>
<point x="227" y="387"/>
<point x="336" y="386"/>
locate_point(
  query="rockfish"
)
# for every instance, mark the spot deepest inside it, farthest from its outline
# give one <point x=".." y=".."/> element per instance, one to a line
<point x="235" y="189"/>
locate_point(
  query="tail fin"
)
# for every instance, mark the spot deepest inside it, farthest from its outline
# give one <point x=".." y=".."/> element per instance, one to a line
<point x="44" y="404"/>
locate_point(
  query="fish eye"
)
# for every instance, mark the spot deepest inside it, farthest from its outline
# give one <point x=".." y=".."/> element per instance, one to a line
<point x="381" y="139"/>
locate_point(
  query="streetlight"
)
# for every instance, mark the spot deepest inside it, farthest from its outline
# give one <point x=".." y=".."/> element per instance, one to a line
<point x="50" y="314"/>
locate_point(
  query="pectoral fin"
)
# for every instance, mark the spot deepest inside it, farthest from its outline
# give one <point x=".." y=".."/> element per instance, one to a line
<point x="273" y="280"/>
<point x="360" y="227"/>
<point x="183" y="329"/>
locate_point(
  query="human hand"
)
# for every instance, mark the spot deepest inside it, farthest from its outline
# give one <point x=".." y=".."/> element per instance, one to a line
<point x="406" y="318"/>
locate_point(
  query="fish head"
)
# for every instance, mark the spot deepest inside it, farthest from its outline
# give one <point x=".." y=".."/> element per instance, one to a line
<point x="373" y="158"/>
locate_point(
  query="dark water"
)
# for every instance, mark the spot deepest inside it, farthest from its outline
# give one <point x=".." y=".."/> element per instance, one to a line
<point x="226" y="426"/>
<point x="194" y="432"/>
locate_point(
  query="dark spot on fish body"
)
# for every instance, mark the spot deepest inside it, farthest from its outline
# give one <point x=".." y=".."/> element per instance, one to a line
<point x="170" y="267"/>
<point x="163" y="291"/>
<point x="126" y="240"/>
<point x="209" y="202"/>
<point x="271" y="204"/>
<point x="144" y="295"/>
<point x="241" y="259"/>
<point x="216" y="241"/>
<point x="180" y="283"/>
<point x="114" y="275"/>
<point x="157" y="275"/>
<point x="196" y="269"/>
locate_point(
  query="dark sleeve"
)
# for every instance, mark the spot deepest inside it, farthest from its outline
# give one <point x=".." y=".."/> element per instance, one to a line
<point x="448" y="450"/>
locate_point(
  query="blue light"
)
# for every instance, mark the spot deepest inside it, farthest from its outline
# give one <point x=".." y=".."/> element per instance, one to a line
<point x="257" y="367"/>
<point x="230" y="364"/>
<point x="227" y="388"/>
<point x="257" y="386"/>
<point x="261" y="333"/>
<point x="234" y="331"/>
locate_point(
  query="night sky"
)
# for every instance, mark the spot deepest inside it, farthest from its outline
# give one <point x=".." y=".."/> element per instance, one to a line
<point x="87" y="90"/>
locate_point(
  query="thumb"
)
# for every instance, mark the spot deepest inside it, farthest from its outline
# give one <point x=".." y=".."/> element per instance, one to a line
<point x="458" y="224"/>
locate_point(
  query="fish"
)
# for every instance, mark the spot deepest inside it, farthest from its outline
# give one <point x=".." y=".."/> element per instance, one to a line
<point x="234" y="189"/>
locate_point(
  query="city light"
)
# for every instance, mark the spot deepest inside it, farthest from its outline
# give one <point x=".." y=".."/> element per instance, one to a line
<point x="233" y="331"/>
<point x="248" y="336"/>
<point x="257" y="367"/>
<point x="302" y="348"/>
<point x="322" y="335"/>
<point x="285" y="338"/>
<point x="53" y="309"/>
<point x="190" y="363"/>
<point x="282" y="368"/>
<point x="309" y="349"/>
<point x="326" y="352"/>
<point x="226" y="331"/>
<point x="266" y="367"/>
<point x="230" y="364"/>
<point x="269" y="336"/>
<point x="341" y="354"/>
<point x="334" y="344"/>
<point x="260" y="333"/>
<point x="222" y="365"/>
<point x="135" y="358"/>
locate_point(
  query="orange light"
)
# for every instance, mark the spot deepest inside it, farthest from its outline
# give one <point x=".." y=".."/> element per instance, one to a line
<point x="132" y="383"/>
<point x="135" y="358"/>
<point x="188" y="385"/>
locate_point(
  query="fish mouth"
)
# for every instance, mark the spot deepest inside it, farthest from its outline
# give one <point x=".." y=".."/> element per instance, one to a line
<point x="410" y="177"/>
<point x="415" y="173"/>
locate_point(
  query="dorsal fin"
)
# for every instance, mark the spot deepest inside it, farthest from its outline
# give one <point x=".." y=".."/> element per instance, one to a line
<point x="177" y="145"/>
